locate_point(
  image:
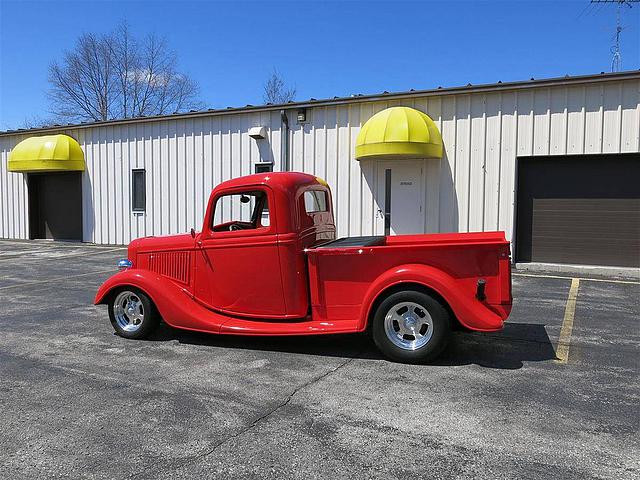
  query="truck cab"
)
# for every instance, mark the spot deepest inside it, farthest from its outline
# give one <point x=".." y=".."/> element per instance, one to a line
<point x="267" y="262"/>
<point x="255" y="233"/>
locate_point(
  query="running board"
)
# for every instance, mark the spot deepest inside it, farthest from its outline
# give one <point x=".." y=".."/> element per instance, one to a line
<point x="305" y="327"/>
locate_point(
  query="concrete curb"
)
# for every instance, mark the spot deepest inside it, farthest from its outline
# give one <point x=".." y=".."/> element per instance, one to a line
<point x="622" y="273"/>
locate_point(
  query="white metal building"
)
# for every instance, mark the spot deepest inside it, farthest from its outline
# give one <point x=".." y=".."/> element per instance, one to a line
<point x="554" y="163"/>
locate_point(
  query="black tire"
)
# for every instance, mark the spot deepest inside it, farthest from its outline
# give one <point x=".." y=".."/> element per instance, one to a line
<point x="383" y="331"/>
<point x="138" y="328"/>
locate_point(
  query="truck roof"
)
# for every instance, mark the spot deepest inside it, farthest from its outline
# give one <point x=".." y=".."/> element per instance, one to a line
<point x="278" y="180"/>
<point x="286" y="188"/>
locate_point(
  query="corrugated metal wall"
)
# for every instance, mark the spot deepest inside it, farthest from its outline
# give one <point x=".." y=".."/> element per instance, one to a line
<point x="471" y="189"/>
<point x="13" y="196"/>
<point x="184" y="159"/>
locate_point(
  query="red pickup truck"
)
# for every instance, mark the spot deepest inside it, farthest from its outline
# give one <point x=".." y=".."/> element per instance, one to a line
<point x="267" y="263"/>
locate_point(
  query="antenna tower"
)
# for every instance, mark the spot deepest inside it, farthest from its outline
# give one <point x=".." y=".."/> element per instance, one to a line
<point x="616" y="61"/>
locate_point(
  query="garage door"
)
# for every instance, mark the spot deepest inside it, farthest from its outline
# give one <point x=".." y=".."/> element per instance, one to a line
<point x="579" y="209"/>
<point x="55" y="206"/>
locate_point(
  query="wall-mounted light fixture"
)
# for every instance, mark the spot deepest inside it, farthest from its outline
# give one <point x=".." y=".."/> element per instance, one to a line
<point x="263" y="167"/>
<point x="302" y="116"/>
<point x="258" y="132"/>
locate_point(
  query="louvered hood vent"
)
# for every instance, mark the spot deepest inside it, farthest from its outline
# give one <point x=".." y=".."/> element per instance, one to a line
<point x="174" y="265"/>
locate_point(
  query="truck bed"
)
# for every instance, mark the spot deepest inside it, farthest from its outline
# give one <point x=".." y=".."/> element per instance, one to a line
<point x="414" y="241"/>
<point x="345" y="273"/>
<point x="354" y="242"/>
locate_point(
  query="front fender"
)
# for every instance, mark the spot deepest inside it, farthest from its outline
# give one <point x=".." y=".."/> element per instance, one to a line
<point x="470" y="312"/>
<point x="174" y="303"/>
<point x="160" y="289"/>
<point x="114" y="281"/>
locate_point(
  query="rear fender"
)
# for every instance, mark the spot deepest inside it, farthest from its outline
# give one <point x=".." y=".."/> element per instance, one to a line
<point x="174" y="303"/>
<point x="469" y="311"/>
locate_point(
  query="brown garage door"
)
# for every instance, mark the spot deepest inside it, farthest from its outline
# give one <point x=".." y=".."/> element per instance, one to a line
<point x="579" y="209"/>
<point x="55" y="205"/>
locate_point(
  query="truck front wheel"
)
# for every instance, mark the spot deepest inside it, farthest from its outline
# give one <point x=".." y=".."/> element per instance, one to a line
<point x="132" y="313"/>
<point x="411" y="326"/>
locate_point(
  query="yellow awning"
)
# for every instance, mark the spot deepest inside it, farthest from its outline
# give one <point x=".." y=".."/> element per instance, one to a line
<point x="399" y="132"/>
<point x="49" y="153"/>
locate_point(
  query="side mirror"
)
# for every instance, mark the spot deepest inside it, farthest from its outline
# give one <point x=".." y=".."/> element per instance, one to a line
<point x="193" y="233"/>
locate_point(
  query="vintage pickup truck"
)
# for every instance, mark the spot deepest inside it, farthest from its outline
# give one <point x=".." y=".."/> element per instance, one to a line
<point x="267" y="263"/>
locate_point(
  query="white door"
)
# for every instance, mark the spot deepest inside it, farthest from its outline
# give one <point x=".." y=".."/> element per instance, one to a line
<point x="400" y="197"/>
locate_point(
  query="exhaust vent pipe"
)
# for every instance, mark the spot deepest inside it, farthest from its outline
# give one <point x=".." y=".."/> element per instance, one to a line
<point x="480" y="294"/>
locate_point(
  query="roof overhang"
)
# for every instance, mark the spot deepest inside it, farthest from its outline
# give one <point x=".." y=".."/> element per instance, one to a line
<point x="352" y="99"/>
<point x="397" y="133"/>
<point x="49" y="153"/>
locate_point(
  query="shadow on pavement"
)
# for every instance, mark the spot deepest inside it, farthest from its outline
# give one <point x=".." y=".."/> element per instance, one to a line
<point x="354" y="345"/>
<point x="508" y="349"/>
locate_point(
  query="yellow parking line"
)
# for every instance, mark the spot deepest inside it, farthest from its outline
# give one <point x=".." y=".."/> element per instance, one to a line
<point x="564" y="341"/>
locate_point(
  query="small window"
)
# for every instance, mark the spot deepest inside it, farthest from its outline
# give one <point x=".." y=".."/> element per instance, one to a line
<point x="264" y="167"/>
<point x="139" y="193"/>
<point x="315" y="201"/>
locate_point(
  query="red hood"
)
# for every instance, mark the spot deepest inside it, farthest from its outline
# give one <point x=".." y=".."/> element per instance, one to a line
<point x="154" y="244"/>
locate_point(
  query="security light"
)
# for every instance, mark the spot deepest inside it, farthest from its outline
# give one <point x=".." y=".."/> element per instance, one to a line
<point x="263" y="167"/>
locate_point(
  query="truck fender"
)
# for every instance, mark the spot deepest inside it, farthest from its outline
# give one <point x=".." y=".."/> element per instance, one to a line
<point x="127" y="278"/>
<point x="174" y="303"/>
<point x="469" y="311"/>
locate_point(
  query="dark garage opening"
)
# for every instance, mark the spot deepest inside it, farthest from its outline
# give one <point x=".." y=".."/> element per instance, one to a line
<point x="579" y="210"/>
<point x="55" y="206"/>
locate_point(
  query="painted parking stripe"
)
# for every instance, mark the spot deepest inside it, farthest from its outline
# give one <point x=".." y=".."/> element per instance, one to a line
<point x="24" y="251"/>
<point x="55" y="244"/>
<point x="27" y="254"/>
<point x="56" y="279"/>
<point x="564" y="341"/>
<point x="584" y="279"/>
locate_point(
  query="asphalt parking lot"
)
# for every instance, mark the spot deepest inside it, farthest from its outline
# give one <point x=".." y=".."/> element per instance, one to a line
<point x="554" y="395"/>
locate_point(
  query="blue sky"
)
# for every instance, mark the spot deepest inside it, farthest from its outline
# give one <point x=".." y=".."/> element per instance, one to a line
<point x="323" y="48"/>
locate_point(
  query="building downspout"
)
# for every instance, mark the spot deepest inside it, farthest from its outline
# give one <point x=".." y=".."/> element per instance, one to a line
<point x="284" y="142"/>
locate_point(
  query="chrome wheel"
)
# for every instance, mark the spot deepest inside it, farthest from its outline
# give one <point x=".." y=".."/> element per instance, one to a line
<point x="128" y="311"/>
<point x="408" y="325"/>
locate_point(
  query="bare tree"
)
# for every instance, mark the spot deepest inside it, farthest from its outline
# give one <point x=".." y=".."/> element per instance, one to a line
<point x="118" y="76"/>
<point x="82" y="86"/>
<point x="275" y="90"/>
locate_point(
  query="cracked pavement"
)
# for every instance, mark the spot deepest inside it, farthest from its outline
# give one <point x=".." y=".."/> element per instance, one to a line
<point x="76" y="401"/>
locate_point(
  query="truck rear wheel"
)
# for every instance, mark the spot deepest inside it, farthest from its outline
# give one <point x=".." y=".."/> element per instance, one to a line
<point x="411" y="326"/>
<point x="132" y="313"/>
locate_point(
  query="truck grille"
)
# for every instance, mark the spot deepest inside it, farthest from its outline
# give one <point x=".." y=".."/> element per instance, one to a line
<point x="174" y="265"/>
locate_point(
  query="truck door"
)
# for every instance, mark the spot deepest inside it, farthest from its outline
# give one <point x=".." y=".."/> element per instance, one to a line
<point x="238" y="267"/>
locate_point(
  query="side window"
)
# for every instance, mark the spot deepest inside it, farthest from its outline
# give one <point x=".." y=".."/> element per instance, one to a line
<point x="241" y="211"/>
<point x="138" y="191"/>
<point x="315" y="201"/>
<point x="265" y="220"/>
